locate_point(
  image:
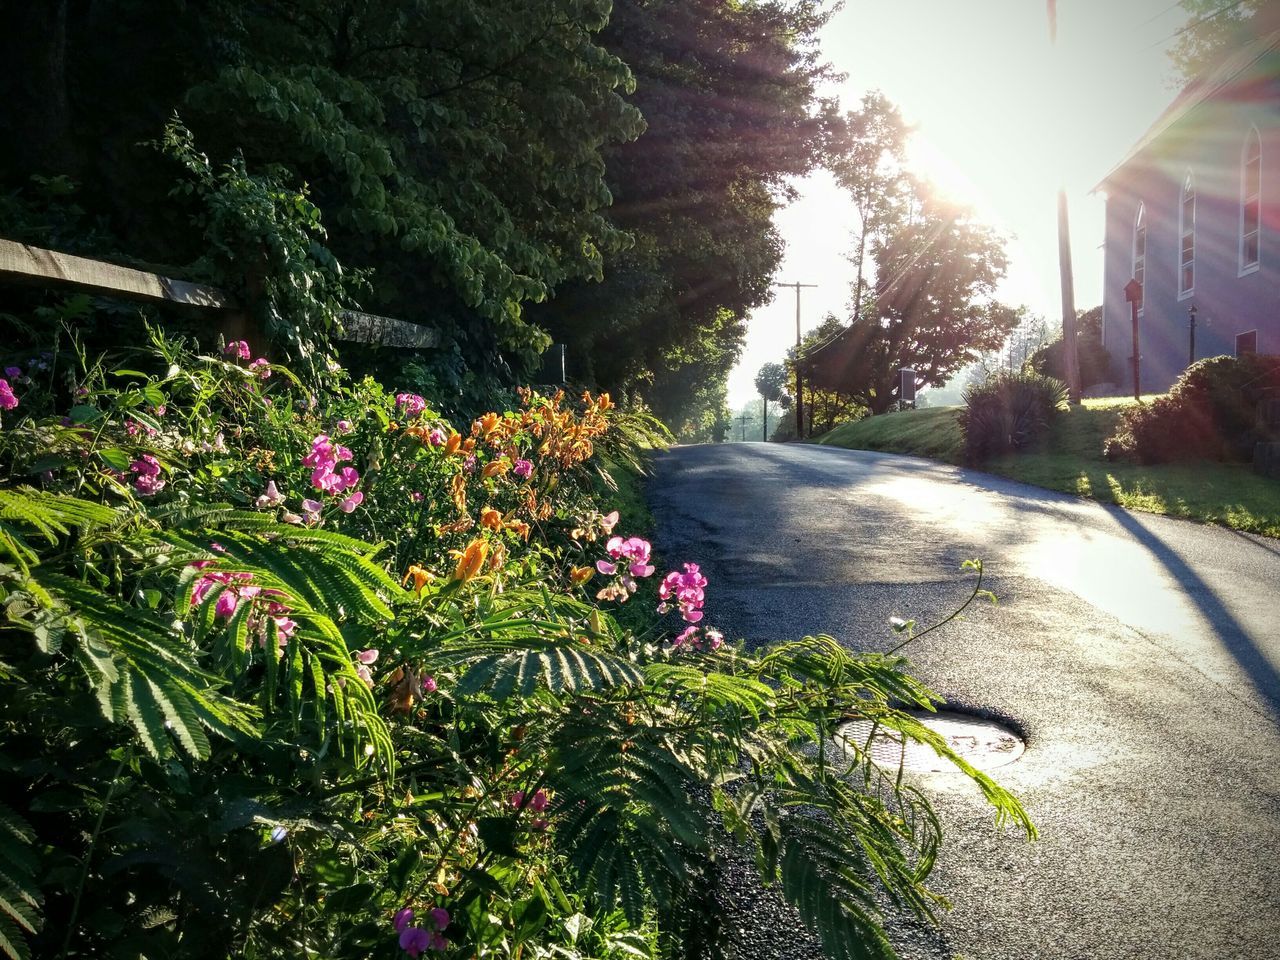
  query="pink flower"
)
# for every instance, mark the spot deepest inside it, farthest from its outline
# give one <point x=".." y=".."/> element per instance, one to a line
<point x="364" y="674"/>
<point x="311" y="510"/>
<point x="437" y="438"/>
<point x="345" y="426"/>
<point x="607" y="568"/>
<point x="148" y="481"/>
<point x="367" y="656"/>
<point x="410" y="404"/>
<point x="227" y="603"/>
<point x="417" y="496"/>
<point x="429" y="685"/>
<point x="285" y="628"/>
<point x="523" y="468"/>
<point x="698" y="638"/>
<point x="686" y="590"/>
<point x="262" y="367"/>
<point x="351" y="502"/>
<point x="271" y="498"/>
<point x="609" y="521"/>
<point x="469" y="464"/>
<point x="7" y="399"/>
<point x="537" y="803"/>
<point x="237" y="349"/>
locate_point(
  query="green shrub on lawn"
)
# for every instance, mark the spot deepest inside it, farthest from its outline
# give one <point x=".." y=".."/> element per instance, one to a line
<point x="292" y="670"/>
<point x="1009" y="412"/>
<point x="1209" y="414"/>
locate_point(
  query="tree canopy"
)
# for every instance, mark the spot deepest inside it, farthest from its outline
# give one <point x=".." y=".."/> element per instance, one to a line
<point x="936" y="271"/>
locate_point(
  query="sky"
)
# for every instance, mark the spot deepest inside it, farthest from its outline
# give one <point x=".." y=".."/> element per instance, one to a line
<point x="1001" y="120"/>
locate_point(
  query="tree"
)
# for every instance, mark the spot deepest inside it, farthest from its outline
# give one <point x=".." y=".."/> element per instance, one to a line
<point x="455" y="146"/>
<point x="771" y="383"/>
<point x="867" y="156"/>
<point x="1215" y="28"/>
<point x="827" y="407"/>
<point x="936" y="274"/>
<point x="729" y="93"/>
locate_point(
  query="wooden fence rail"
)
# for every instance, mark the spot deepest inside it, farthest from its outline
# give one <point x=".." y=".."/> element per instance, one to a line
<point x="22" y="262"/>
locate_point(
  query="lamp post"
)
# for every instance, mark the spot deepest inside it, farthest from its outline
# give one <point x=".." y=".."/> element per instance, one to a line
<point x="1133" y="294"/>
<point x="1191" y="347"/>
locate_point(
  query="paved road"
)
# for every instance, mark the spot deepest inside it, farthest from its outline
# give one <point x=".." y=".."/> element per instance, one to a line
<point x="1139" y="655"/>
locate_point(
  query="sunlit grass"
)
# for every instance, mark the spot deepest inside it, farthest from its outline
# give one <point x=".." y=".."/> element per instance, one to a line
<point x="1224" y="493"/>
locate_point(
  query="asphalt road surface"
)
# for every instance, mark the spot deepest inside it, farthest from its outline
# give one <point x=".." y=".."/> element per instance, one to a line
<point x="1139" y="656"/>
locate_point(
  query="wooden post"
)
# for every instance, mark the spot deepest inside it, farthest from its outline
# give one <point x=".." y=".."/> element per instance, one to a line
<point x="764" y="404"/>
<point x="1133" y="294"/>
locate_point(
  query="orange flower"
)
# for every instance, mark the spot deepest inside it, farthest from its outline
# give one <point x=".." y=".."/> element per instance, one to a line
<point x="471" y="560"/>
<point x="459" y="484"/>
<point x="468" y="445"/>
<point x="520" y="527"/>
<point x="451" y="445"/>
<point x="498" y="557"/>
<point x="486" y="423"/>
<point x="579" y="575"/>
<point x="420" y="577"/>
<point x="495" y="467"/>
<point x="491" y="519"/>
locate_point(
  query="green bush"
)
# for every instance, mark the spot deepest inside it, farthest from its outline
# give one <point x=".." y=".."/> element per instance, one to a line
<point x="280" y="663"/>
<point x="1094" y="359"/>
<point x="1209" y="414"/>
<point x="1009" y="412"/>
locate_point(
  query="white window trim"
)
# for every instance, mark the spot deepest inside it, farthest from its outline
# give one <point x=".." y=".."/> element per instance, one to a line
<point x="1235" y="344"/>
<point x="1243" y="269"/>
<point x="1190" y="292"/>
<point x="1140" y="218"/>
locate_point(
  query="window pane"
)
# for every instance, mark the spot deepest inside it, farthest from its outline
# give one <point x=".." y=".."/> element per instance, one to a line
<point x="1250" y="218"/>
<point x="1188" y="247"/>
<point x="1252" y="176"/>
<point x="1188" y="277"/>
<point x="1251" y="250"/>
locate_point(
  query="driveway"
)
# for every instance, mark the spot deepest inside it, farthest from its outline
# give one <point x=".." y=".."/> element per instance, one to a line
<point x="1139" y="656"/>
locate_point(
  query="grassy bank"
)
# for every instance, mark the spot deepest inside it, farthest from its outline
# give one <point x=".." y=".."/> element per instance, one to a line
<point x="1225" y="493"/>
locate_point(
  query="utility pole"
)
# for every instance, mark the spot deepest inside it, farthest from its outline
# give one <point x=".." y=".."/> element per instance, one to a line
<point x="1191" y="347"/>
<point x="742" y="425"/>
<point x="764" y="406"/>
<point x="799" y="385"/>
<point x="1070" y="358"/>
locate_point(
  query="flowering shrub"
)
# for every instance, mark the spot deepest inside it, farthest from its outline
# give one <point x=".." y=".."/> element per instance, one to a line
<point x="288" y="673"/>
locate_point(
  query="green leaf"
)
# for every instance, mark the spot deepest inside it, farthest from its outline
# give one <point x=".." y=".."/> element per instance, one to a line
<point x="114" y="458"/>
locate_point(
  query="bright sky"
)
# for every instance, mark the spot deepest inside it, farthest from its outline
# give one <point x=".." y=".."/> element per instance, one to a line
<point x="977" y="78"/>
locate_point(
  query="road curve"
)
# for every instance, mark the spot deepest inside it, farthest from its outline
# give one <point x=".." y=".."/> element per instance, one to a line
<point x="1139" y="655"/>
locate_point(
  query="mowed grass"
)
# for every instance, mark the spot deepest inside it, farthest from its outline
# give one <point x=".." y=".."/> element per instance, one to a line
<point x="1224" y="493"/>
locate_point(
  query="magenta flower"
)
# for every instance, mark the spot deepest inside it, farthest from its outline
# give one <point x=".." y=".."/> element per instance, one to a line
<point x="437" y="438"/>
<point x="413" y="940"/>
<point x="262" y="367"/>
<point x="345" y="426"/>
<point x="429" y="685"/>
<point x="237" y="349"/>
<point x="410" y="404"/>
<point x="523" y="469"/>
<point x="633" y="549"/>
<point x="311" y="510"/>
<point x="417" y="496"/>
<point x="147" y="481"/>
<point x="537" y="803"/>
<point x="698" y="638"/>
<point x="402" y="919"/>
<point x="684" y="590"/>
<point x="440" y="917"/>
<point x="285" y="628"/>
<point x="227" y="604"/>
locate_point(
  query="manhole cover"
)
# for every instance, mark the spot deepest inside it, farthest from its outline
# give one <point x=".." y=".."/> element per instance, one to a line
<point x="983" y="743"/>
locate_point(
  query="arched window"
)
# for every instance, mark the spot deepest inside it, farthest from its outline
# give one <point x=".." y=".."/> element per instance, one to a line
<point x="1140" y="250"/>
<point x="1187" y="239"/>
<point x="1250" y="201"/>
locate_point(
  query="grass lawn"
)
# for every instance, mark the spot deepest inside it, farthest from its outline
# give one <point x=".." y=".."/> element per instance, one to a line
<point x="1225" y="493"/>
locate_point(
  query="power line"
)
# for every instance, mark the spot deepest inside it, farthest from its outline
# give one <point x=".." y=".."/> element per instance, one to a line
<point x="1196" y="23"/>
